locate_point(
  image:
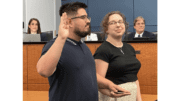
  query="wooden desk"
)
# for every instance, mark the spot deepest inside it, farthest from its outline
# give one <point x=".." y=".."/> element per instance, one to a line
<point x="147" y="75"/>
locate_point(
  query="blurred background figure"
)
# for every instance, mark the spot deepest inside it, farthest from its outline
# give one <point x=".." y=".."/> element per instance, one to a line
<point x="34" y="28"/>
<point x="139" y="26"/>
<point x="90" y="37"/>
<point x="95" y="36"/>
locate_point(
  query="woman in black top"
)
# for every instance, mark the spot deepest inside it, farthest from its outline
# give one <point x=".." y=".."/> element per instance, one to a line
<point x="116" y="62"/>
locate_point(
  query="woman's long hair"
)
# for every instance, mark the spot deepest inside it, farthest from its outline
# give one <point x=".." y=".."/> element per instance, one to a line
<point x="39" y="28"/>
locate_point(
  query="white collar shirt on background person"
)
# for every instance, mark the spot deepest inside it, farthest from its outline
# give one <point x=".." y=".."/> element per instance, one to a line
<point x="136" y="35"/>
<point x="91" y="37"/>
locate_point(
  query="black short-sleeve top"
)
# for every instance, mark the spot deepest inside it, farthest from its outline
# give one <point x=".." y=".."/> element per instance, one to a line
<point x="123" y="64"/>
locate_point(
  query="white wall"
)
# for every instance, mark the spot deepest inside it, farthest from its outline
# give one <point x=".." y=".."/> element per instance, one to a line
<point x="43" y="10"/>
<point x="24" y="15"/>
<point x="58" y="5"/>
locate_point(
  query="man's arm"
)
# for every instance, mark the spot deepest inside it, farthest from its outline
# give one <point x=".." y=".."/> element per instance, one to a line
<point x="46" y="65"/>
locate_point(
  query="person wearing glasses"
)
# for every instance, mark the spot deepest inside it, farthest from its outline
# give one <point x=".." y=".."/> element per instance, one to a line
<point x="139" y="26"/>
<point x="116" y="61"/>
<point x="67" y="61"/>
<point x="90" y="36"/>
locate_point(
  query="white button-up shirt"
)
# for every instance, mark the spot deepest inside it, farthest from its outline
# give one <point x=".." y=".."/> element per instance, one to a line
<point x="136" y="35"/>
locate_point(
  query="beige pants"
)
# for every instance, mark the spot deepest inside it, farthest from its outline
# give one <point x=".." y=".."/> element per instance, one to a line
<point x="130" y="86"/>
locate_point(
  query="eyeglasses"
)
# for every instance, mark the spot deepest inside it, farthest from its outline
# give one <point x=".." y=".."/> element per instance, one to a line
<point x="140" y="23"/>
<point x="84" y="17"/>
<point x="114" y="22"/>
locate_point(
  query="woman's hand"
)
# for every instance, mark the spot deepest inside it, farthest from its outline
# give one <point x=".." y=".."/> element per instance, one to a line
<point x="112" y="94"/>
<point x="113" y="88"/>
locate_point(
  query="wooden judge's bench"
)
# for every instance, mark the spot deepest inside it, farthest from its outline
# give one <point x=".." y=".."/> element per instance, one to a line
<point x="33" y="83"/>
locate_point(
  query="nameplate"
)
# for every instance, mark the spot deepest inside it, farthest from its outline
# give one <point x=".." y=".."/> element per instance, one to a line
<point x="137" y="51"/>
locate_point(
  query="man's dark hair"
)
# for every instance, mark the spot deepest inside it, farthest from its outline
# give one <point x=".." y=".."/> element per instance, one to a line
<point x="71" y="8"/>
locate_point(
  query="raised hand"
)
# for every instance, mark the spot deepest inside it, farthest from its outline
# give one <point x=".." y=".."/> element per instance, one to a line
<point x="64" y="26"/>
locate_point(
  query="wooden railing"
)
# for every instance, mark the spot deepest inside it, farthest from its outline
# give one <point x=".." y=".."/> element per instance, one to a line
<point x="147" y="75"/>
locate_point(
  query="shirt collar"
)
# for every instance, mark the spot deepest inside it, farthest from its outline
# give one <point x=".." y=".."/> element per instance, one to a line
<point x="136" y="35"/>
<point x="74" y="42"/>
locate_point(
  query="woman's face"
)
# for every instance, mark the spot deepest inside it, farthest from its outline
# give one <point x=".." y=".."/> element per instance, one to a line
<point x="116" y="26"/>
<point x="33" y="26"/>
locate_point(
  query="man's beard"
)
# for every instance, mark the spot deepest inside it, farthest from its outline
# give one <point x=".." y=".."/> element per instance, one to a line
<point x="82" y="33"/>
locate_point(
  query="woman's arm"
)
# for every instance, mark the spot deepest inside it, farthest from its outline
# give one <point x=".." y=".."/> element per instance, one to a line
<point x="101" y="70"/>
<point x="106" y="86"/>
<point x="138" y="96"/>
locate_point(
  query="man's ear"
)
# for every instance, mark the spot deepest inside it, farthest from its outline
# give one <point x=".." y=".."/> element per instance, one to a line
<point x="134" y="27"/>
<point x="71" y="23"/>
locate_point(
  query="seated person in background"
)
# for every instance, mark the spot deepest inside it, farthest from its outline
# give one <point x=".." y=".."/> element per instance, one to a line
<point x="91" y="37"/>
<point x="34" y="28"/>
<point x="139" y="25"/>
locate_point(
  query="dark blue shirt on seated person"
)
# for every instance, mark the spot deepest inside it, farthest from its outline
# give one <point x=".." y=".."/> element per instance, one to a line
<point x="43" y="37"/>
<point x="146" y="34"/>
<point x="75" y="75"/>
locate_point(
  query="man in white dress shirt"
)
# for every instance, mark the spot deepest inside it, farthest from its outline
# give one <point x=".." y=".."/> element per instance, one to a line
<point x="139" y="26"/>
<point x="91" y="37"/>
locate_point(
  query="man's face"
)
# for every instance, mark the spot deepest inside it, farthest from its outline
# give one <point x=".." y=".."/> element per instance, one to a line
<point x="82" y="24"/>
<point x="139" y="26"/>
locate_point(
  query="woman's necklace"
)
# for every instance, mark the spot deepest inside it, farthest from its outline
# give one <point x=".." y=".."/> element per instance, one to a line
<point x="121" y="50"/>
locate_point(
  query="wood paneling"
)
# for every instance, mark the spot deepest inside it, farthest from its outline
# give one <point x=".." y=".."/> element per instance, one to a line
<point x="38" y="87"/>
<point x="34" y="53"/>
<point x="148" y="89"/>
<point x="25" y="64"/>
<point x="25" y="86"/>
<point x="147" y="75"/>
<point x="93" y="47"/>
<point x="97" y="45"/>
